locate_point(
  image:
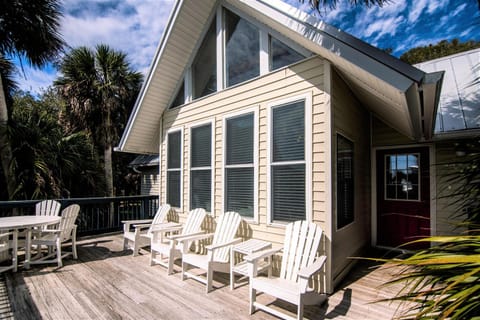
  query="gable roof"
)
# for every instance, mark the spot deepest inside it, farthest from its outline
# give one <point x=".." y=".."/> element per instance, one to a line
<point x="387" y="86"/>
<point x="459" y="107"/>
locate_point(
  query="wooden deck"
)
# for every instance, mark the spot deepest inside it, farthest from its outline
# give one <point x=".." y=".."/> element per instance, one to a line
<point x="108" y="283"/>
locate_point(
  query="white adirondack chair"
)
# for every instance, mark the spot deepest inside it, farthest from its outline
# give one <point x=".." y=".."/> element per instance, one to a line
<point x="54" y="238"/>
<point x="141" y="235"/>
<point x="47" y="208"/>
<point x="169" y="246"/>
<point x="299" y="264"/>
<point x="7" y="244"/>
<point x="218" y="253"/>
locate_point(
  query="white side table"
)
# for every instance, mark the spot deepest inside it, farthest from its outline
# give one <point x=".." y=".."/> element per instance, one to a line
<point x="245" y="248"/>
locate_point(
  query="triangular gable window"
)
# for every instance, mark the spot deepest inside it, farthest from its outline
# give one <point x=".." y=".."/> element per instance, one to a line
<point x="235" y="50"/>
<point x="242" y="49"/>
<point x="282" y="55"/>
<point x="204" y="67"/>
<point x="180" y="98"/>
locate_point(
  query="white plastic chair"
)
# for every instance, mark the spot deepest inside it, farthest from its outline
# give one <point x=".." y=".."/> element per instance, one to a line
<point x="141" y="235"/>
<point x="299" y="264"/>
<point x="7" y="244"/>
<point x="169" y="246"/>
<point x="54" y="238"/>
<point x="218" y="253"/>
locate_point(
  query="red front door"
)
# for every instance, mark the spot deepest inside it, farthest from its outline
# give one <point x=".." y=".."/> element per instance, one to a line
<point x="403" y="196"/>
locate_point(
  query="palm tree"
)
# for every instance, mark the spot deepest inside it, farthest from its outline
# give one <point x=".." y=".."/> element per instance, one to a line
<point x="49" y="160"/>
<point x="99" y="87"/>
<point x="29" y="30"/>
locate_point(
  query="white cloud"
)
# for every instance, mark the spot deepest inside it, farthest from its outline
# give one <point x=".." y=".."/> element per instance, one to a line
<point x="34" y="80"/>
<point x="132" y="26"/>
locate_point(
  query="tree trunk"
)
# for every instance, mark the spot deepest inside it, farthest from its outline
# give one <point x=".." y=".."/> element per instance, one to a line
<point x="5" y="147"/>
<point x="107" y="154"/>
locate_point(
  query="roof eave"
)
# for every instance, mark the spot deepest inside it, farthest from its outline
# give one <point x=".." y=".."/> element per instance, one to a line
<point x="123" y="144"/>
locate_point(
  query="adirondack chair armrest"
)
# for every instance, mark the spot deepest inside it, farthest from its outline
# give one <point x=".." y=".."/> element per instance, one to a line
<point x="141" y="226"/>
<point x="159" y="228"/>
<point x="223" y="245"/>
<point x="195" y="237"/>
<point x="128" y="223"/>
<point x="177" y="237"/>
<point x="307" y="272"/>
<point x="261" y="254"/>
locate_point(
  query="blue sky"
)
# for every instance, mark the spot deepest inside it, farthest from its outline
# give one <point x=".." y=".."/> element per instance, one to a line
<point x="136" y="26"/>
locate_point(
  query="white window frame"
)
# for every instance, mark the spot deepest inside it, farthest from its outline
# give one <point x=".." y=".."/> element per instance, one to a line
<point x="212" y="163"/>
<point x="244" y="112"/>
<point x="307" y="98"/>
<point x="173" y="130"/>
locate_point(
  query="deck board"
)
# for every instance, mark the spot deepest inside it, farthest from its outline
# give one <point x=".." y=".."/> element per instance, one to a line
<point x="109" y="283"/>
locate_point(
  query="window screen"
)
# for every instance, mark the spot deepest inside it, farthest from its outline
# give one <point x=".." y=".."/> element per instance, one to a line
<point x="345" y="182"/>
<point x="239" y="166"/>
<point x="201" y="168"/>
<point x="288" y="162"/>
<point x="174" y="159"/>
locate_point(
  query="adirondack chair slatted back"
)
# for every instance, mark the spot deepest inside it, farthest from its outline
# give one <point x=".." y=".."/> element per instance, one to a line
<point x="160" y="216"/>
<point x="227" y="227"/>
<point x="47" y="208"/>
<point x="69" y="216"/>
<point x="194" y="221"/>
<point x="301" y="243"/>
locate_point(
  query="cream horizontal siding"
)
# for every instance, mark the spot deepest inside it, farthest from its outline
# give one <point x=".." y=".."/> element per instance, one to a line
<point x="351" y="120"/>
<point x="302" y="78"/>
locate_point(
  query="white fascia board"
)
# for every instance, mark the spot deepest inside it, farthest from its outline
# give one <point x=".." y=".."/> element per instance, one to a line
<point x="336" y="42"/>
<point x="122" y="146"/>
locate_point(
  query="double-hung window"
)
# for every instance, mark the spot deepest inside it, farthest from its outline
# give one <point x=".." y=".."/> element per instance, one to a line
<point x="239" y="166"/>
<point x="174" y="168"/>
<point x="287" y="165"/>
<point x="201" y="167"/>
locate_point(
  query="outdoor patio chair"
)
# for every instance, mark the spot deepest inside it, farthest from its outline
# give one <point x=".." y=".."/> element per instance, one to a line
<point x="218" y="253"/>
<point x="47" y="208"/>
<point x="299" y="264"/>
<point x="7" y="244"/>
<point x="168" y="245"/>
<point x="54" y="238"/>
<point x="141" y="235"/>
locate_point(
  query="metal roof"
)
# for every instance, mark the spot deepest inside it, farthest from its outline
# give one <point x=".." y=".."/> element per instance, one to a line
<point x="387" y="86"/>
<point x="459" y="106"/>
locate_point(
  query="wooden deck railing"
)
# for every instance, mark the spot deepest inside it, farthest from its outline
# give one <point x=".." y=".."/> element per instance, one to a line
<point x="97" y="215"/>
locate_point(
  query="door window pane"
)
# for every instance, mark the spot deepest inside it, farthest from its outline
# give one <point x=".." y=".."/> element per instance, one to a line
<point x="204" y="67"/>
<point x="242" y="50"/>
<point x="401" y="177"/>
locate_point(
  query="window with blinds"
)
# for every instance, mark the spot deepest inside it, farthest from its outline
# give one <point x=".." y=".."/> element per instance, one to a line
<point x="287" y="166"/>
<point x="239" y="165"/>
<point x="174" y="161"/>
<point x="201" y="167"/>
<point x="345" y="182"/>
